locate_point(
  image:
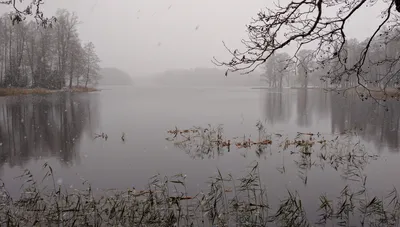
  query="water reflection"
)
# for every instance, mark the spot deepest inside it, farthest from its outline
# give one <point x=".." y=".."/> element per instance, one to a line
<point x="371" y="121"/>
<point x="45" y="126"/>
<point x="304" y="117"/>
<point x="278" y="107"/>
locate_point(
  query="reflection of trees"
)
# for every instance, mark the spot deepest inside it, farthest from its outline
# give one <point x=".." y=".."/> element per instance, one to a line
<point x="43" y="126"/>
<point x="376" y="124"/>
<point x="312" y="104"/>
<point x="373" y="121"/>
<point x="276" y="106"/>
<point x="303" y="117"/>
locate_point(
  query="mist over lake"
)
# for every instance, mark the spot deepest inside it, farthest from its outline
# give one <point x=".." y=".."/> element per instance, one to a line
<point x="61" y="129"/>
<point x="199" y="113"/>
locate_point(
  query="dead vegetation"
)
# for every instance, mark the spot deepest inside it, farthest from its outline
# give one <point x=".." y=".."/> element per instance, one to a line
<point x="165" y="201"/>
<point x="214" y="136"/>
<point x="227" y="201"/>
<point x="342" y="152"/>
<point x="23" y="91"/>
<point x="28" y="91"/>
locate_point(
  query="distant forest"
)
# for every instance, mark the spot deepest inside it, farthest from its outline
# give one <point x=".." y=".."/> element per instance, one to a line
<point x="310" y="67"/>
<point x="114" y="76"/>
<point x="53" y="57"/>
<point x="204" y="77"/>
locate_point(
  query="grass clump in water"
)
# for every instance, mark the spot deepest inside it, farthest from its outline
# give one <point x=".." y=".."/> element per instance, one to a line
<point x="228" y="201"/>
<point x="165" y="202"/>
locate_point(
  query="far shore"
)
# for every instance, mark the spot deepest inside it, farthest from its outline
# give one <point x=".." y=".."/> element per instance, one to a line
<point x="374" y="92"/>
<point x="27" y="91"/>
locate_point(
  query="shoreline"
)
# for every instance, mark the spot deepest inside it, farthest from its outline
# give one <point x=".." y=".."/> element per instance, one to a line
<point x="29" y="91"/>
<point x="374" y="92"/>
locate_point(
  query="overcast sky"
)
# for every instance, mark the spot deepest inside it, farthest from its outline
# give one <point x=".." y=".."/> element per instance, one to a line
<point x="143" y="36"/>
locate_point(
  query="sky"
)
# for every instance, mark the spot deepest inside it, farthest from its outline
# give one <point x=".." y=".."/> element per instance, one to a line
<point x="147" y="36"/>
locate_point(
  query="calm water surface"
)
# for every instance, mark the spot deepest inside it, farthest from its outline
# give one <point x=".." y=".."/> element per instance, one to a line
<point x="60" y="129"/>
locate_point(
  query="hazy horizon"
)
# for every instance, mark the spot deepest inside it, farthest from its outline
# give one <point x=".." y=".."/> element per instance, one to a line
<point x="123" y="119"/>
<point x="146" y="37"/>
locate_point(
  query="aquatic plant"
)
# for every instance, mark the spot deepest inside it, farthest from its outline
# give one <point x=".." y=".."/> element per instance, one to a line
<point x="344" y="152"/>
<point x="165" y="201"/>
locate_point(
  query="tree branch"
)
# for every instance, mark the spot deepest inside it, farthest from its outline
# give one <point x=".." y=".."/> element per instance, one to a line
<point x="305" y="22"/>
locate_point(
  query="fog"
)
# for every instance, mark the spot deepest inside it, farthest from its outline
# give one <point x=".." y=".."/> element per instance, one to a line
<point x="148" y="36"/>
<point x="124" y="95"/>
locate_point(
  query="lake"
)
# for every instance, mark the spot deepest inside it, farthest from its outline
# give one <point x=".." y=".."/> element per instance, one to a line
<point x="60" y="129"/>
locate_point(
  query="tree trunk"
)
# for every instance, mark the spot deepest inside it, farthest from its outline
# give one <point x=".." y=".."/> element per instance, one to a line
<point x="306" y="81"/>
<point x="71" y="73"/>
<point x="5" y="60"/>
<point x="21" y="47"/>
<point x="10" y="50"/>
<point x="1" y="71"/>
<point x="2" y="66"/>
<point x="31" y="58"/>
<point x="70" y="80"/>
<point x="87" y="75"/>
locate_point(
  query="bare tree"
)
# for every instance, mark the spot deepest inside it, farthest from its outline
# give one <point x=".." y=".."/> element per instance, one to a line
<point x="45" y="52"/>
<point x="91" y="64"/>
<point x="34" y="56"/>
<point x="305" y="66"/>
<point x="16" y="48"/>
<point x="22" y="9"/>
<point x="305" y="22"/>
<point x="66" y="30"/>
<point x="75" y="61"/>
<point x="32" y="37"/>
<point x="3" y="48"/>
<point x="278" y="67"/>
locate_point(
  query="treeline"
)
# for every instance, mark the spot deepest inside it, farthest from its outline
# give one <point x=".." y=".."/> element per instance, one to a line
<point x="52" y="57"/>
<point x="380" y="69"/>
<point x="204" y="77"/>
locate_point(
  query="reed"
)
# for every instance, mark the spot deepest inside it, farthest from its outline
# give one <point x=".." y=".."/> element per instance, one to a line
<point x="228" y="200"/>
